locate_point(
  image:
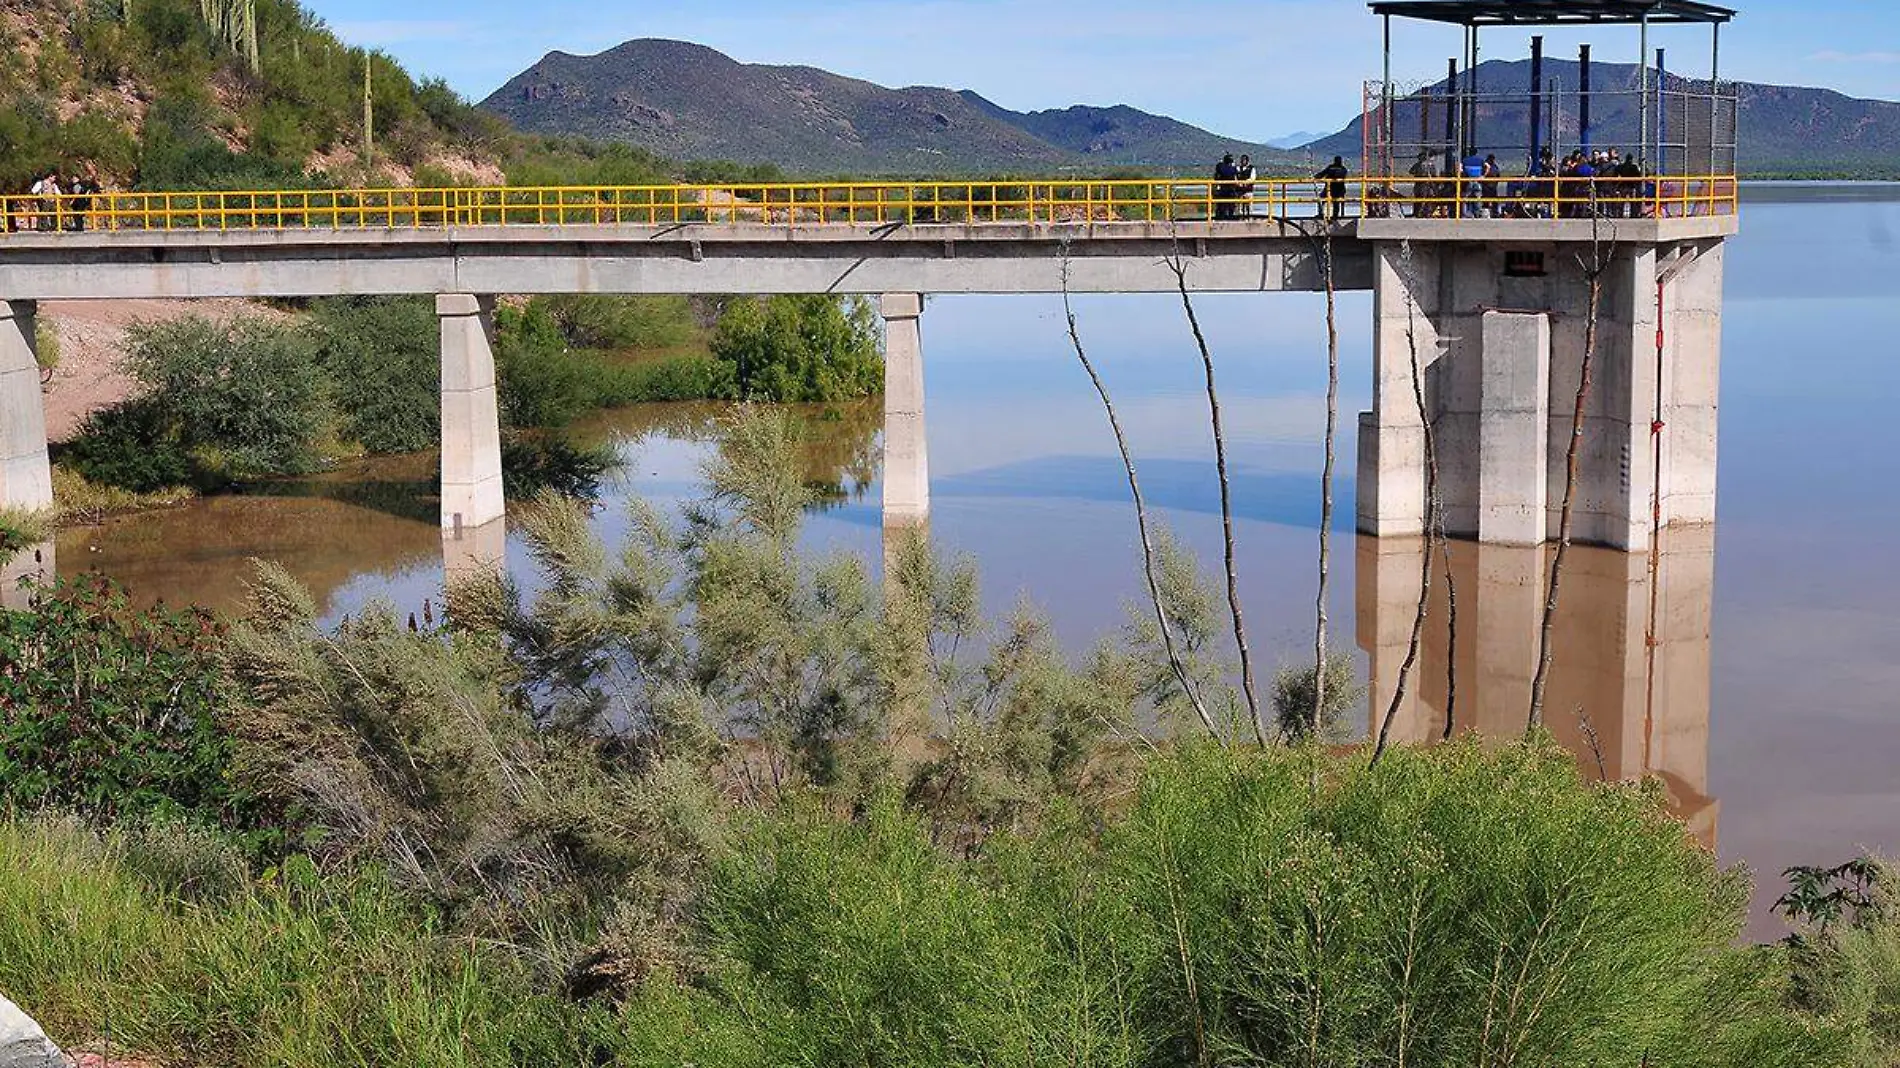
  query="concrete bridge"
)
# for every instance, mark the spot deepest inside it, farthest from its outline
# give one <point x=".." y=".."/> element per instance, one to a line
<point x="1493" y="308"/>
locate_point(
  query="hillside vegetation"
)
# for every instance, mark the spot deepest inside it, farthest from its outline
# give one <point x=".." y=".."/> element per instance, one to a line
<point x="173" y="94"/>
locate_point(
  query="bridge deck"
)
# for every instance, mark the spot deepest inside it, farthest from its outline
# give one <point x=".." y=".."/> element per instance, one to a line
<point x="982" y="237"/>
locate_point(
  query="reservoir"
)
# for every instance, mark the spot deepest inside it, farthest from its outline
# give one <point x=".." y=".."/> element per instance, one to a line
<point x="1780" y="635"/>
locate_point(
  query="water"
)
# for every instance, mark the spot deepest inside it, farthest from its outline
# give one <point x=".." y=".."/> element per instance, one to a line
<point x="1766" y="705"/>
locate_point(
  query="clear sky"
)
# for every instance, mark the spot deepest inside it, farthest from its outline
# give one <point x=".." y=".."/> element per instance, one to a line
<point x="1250" y="69"/>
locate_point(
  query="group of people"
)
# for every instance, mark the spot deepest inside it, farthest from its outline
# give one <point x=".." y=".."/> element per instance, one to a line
<point x="1606" y="182"/>
<point x="1234" y="184"/>
<point x="52" y="202"/>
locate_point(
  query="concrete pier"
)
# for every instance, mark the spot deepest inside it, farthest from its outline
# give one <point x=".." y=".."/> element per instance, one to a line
<point x="1499" y="329"/>
<point x="471" y="413"/>
<point x="26" y="480"/>
<point x="906" y="452"/>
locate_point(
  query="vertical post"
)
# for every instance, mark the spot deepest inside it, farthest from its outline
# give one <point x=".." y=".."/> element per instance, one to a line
<point x="1583" y="96"/>
<point x="1642" y="86"/>
<point x="1715" y="92"/>
<point x="1385" y="99"/>
<point x="1662" y="120"/>
<point x="906" y="457"/>
<point x="1451" y="117"/>
<point x="471" y="414"/>
<point x="1537" y="97"/>
<point x="26" y="480"/>
<point x="1471" y="93"/>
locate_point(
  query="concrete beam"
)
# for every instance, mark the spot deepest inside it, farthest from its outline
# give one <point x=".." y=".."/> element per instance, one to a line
<point x="1549" y="231"/>
<point x="26" y="480"/>
<point x="906" y="448"/>
<point x="471" y="414"/>
<point x="685" y="258"/>
<point x="1513" y="428"/>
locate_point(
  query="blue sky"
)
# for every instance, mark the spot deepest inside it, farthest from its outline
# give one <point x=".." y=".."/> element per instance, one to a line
<point x="1246" y="68"/>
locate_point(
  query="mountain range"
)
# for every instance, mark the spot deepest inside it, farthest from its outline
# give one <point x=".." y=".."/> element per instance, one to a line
<point x="689" y="102"/>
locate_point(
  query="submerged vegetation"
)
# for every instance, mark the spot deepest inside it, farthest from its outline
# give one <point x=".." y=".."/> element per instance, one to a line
<point x="707" y="799"/>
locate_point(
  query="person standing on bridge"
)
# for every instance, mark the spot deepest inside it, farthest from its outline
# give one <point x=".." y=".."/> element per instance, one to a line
<point x="1225" y="172"/>
<point x="48" y="191"/>
<point x="1244" y="174"/>
<point x="1334" y="175"/>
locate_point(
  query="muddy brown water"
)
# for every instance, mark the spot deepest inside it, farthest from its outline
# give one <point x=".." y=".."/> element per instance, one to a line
<point x="1758" y="684"/>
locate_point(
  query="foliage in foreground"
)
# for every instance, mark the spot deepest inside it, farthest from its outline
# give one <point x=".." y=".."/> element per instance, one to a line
<point x="1450" y="906"/>
<point x="112" y="711"/>
<point x="708" y="800"/>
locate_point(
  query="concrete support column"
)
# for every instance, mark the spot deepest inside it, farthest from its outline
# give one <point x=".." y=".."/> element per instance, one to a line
<point x="1405" y="301"/>
<point x="1691" y="386"/>
<point x="906" y="455"/>
<point x="26" y="480"/>
<point x="1513" y="428"/>
<point x="471" y="414"/>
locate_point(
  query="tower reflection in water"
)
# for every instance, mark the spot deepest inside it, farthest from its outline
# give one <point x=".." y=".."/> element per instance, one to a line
<point x="1629" y="685"/>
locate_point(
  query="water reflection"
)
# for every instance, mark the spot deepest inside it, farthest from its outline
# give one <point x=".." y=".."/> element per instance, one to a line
<point x="1629" y="686"/>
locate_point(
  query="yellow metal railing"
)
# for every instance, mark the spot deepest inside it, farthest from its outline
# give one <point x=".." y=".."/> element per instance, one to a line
<point x="863" y="203"/>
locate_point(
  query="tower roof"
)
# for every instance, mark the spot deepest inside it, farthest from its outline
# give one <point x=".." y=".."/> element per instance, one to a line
<point x="1553" y="12"/>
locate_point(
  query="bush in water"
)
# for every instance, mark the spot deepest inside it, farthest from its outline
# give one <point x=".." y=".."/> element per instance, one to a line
<point x="800" y="348"/>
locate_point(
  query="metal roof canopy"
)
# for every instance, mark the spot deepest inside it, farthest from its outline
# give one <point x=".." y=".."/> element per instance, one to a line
<point x="1474" y="13"/>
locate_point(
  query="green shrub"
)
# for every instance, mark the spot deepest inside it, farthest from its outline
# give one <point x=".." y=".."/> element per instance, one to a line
<point x="622" y="322"/>
<point x="245" y="398"/>
<point x="800" y="348"/>
<point x="132" y="445"/>
<point x="112" y="711"/>
<point x="1449" y="906"/>
<point x="382" y="358"/>
<point x="689" y="376"/>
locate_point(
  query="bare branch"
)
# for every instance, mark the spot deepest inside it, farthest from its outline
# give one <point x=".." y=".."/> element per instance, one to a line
<point x="1179" y="267"/>
<point x="1141" y="517"/>
<point x="1326" y="482"/>
<point x="1434" y="523"/>
<point x="1593" y="272"/>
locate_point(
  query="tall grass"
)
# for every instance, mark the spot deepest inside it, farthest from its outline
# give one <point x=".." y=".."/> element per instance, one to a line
<point x="294" y="971"/>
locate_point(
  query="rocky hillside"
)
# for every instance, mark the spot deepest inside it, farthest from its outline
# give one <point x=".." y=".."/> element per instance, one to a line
<point x="1785" y="130"/>
<point x="686" y="101"/>
<point x="184" y="93"/>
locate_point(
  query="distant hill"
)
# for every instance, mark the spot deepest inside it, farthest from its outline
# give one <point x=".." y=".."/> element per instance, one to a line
<point x="153" y="97"/>
<point x="1785" y="130"/>
<point x="686" y="101"/>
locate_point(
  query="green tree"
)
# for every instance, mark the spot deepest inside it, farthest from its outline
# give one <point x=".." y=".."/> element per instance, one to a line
<point x="801" y="348"/>
<point x="246" y="397"/>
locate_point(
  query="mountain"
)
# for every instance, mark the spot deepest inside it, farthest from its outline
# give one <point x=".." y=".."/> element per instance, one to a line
<point x="1784" y="130"/>
<point x="1295" y="140"/>
<point x="687" y="101"/>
